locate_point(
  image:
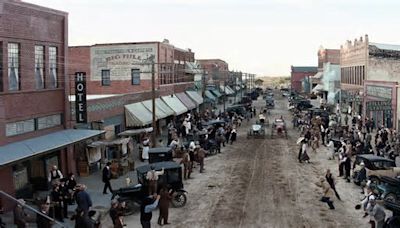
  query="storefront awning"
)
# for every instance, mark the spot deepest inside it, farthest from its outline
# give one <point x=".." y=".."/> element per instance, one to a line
<point x="159" y="112"/>
<point x="216" y="93"/>
<point x="318" y="88"/>
<point x="137" y="115"/>
<point x="175" y="104"/>
<point x="230" y="89"/>
<point x="31" y="147"/>
<point x="210" y="96"/>
<point x="195" y="96"/>
<point x="186" y="101"/>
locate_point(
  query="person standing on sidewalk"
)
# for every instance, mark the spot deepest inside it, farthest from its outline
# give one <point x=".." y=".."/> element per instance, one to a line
<point x="149" y="204"/>
<point x="83" y="199"/>
<point x="331" y="181"/>
<point x="377" y="214"/>
<point x="106" y="178"/>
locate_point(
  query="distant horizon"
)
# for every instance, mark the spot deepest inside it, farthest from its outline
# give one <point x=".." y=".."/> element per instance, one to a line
<point x="253" y="36"/>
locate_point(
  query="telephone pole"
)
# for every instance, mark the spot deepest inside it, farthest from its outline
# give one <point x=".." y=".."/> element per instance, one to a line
<point x="153" y="101"/>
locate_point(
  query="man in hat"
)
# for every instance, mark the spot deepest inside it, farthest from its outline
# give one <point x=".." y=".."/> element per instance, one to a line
<point x="149" y="204"/>
<point x="152" y="178"/>
<point x="106" y="178"/>
<point x="361" y="178"/>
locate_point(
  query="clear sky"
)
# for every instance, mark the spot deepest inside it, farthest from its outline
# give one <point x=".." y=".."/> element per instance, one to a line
<point x="256" y="36"/>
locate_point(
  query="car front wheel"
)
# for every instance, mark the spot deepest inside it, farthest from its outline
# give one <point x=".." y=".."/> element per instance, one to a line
<point x="391" y="197"/>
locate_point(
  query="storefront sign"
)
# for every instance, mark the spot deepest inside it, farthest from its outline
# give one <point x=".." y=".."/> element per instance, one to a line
<point x="379" y="105"/>
<point x="379" y="91"/>
<point x="120" y="60"/>
<point x="80" y="97"/>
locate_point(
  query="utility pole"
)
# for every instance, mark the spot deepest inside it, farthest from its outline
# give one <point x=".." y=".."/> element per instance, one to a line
<point x="153" y="101"/>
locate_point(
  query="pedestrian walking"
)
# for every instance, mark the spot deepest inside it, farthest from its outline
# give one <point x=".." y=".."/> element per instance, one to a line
<point x="187" y="169"/>
<point x="82" y="219"/>
<point x="331" y="150"/>
<point x="146" y="148"/>
<point x="327" y="193"/>
<point x="83" y="199"/>
<point x="149" y="204"/>
<point x="303" y="153"/>
<point x="165" y="199"/>
<point x="201" y="154"/>
<point x="347" y="167"/>
<point x="331" y="181"/>
<point x="152" y="178"/>
<point x="106" y="178"/>
<point x="323" y="134"/>
<point x="233" y="135"/>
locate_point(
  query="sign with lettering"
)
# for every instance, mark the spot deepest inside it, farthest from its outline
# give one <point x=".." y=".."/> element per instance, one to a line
<point x="379" y="105"/>
<point x="120" y="60"/>
<point x="80" y="97"/>
<point x="379" y="91"/>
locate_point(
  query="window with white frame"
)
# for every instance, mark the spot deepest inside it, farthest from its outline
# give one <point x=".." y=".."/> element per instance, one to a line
<point x="48" y="121"/>
<point x="135" y="75"/>
<point x="20" y="127"/>
<point x="13" y="66"/>
<point x="39" y="67"/>
<point x="53" y="67"/>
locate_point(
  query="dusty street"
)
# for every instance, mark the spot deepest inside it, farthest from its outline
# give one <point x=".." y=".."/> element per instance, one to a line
<point x="259" y="183"/>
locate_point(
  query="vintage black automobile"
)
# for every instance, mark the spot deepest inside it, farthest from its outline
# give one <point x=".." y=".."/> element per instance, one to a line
<point x="172" y="178"/>
<point x="394" y="221"/>
<point x="160" y="154"/>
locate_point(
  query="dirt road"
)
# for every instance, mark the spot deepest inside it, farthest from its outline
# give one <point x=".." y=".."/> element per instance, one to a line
<point x="259" y="183"/>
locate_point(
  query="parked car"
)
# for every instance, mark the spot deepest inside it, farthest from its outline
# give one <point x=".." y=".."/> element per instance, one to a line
<point x="304" y="104"/>
<point x="238" y="109"/>
<point x="160" y="154"/>
<point x="376" y="167"/>
<point x="133" y="195"/>
<point x="389" y="188"/>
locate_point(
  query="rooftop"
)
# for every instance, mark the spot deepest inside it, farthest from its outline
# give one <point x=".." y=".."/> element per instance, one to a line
<point x="394" y="47"/>
<point x="304" y="69"/>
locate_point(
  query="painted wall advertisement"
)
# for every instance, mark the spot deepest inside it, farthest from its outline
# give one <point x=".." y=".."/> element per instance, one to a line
<point x="120" y="60"/>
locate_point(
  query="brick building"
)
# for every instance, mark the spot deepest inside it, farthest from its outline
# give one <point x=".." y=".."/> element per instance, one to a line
<point x="298" y="74"/>
<point x="216" y="70"/>
<point x="119" y="74"/>
<point x="325" y="55"/>
<point x="369" y="79"/>
<point x="33" y="103"/>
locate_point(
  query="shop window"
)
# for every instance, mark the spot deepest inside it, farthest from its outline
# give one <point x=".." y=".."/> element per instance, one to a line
<point x="135" y="77"/>
<point x="20" y="176"/>
<point x="48" y="121"/>
<point x="53" y="67"/>
<point x="13" y="67"/>
<point x="20" y="127"/>
<point x="105" y="78"/>
<point x="39" y="67"/>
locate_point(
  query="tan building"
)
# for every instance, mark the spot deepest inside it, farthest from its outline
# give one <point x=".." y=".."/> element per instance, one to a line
<point x="370" y="74"/>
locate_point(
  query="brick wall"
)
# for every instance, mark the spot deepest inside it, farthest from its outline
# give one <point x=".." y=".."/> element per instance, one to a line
<point x="30" y="25"/>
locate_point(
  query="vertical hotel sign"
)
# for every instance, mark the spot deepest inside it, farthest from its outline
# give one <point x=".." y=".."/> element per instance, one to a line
<point x="80" y="97"/>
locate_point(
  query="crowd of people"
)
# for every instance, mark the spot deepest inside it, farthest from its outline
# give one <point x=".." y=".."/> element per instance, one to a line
<point x="345" y="138"/>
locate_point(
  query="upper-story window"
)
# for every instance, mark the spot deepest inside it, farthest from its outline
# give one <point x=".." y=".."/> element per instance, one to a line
<point x="105" y="78"/>
<point x="39" y="67"/>
<point x="135" y="76"/>
<point x="13" y="67"/>
<point x="53" y="77"/>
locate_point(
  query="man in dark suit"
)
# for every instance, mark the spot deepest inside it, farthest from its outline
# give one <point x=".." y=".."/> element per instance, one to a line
<point x="107" y="178"/>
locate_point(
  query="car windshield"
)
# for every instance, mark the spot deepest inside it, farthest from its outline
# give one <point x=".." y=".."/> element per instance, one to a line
<point x="383" y="164"/>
